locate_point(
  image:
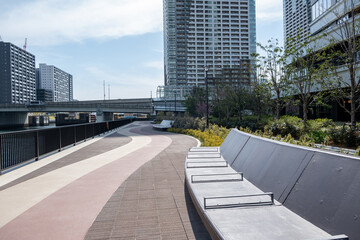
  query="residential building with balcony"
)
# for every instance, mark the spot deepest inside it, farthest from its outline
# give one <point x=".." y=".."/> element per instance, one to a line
<point x="214" y="34"/>
<point x="296" y="19"/>
<point x="17" y="75"/>
<point x="59" y="82"/>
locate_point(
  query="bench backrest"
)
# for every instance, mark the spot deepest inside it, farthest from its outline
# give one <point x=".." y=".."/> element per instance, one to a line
<point x="322" y="187"/>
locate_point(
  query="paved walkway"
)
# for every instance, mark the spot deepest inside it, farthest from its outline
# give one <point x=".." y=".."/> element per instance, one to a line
<point x="128" y="185"/>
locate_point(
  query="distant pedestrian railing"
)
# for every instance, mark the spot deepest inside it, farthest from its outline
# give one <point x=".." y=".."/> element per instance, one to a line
<point x="19" y="147"/>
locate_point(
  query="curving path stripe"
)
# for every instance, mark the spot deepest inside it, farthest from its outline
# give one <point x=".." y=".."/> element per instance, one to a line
<point x="14" y="177"/>
<point x="43" y="191"/>
<point x="153" y="202"/>
<point x="110" y="142"/>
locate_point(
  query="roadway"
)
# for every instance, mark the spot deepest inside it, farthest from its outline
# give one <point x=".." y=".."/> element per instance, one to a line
<point x="126" y="185"/>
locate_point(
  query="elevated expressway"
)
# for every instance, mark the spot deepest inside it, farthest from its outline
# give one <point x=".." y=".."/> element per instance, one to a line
<point x="17" y="114"/>
<point x="139" y="105"/>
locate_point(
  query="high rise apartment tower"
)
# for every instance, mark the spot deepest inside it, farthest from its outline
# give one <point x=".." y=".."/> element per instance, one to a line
<point x="17" y="75"/>
<point x="56" y="80"/>
<point x="197" y="33"/>
<point x="297" y="17"/>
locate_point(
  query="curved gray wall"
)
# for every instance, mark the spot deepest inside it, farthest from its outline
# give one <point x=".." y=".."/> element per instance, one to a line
<point x="322" y="187"/>
<point x="233" y="144"/>
<point x="328" y="194"/>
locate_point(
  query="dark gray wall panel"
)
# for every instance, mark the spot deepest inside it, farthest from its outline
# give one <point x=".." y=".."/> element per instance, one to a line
<point x="228" y="140"/>
<point x="328" y="194"/>
<point x="234" y="147"/>
<point x="253" y="158"/>
<point x="272" y="166"/>
<point x="281" y="170"/>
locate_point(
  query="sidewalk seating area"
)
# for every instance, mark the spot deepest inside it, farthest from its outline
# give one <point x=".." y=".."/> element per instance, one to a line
<point x="254" y="188"/>
<point x="164" y="125"/>
<point x="132" y="184"/>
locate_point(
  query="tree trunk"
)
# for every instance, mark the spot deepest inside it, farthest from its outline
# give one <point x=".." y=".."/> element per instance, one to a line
<point x="278" y="104"/>
<point x="353" y="112"/>
<point x="305" y="112"/>
<point x="239" y="115"/>
<point x="352" y="98"/>
<point x="277" y="109"/>
<point x="259" y="110"/>
<point x="227" y="115"/>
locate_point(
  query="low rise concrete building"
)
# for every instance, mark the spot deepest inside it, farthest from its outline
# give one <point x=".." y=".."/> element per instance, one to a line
<point x="56" y="80"/>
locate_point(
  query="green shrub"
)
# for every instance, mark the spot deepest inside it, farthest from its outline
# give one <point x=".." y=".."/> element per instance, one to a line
<point x="306" y="140"/>
<point x="319" y="124"/>
<point x="344" y="136"/>
<point x="212" y="136"/>
<point x="190" y="123"/>
<point x="286" y="125"/>
<point x="317" y="136"/>
<point x="161" y="116"/>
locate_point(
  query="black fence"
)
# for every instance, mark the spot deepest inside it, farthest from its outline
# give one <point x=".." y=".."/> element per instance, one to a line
<point x="19" y="147"/>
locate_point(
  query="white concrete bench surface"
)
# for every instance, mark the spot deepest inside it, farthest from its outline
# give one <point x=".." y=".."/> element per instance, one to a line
<point x="258" y="222"/>
<point x="164" y="124"/>
<point x="204" y="149"/>
<point x="251" y="205"/>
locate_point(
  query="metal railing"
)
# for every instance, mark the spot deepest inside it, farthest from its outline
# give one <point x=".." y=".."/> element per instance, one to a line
<point x="231" y="203"/>
<point x="20" y="147"/>
<point x="208" y="164"/>
<point x="204" y="155"/>
<point x="222" y="177"/>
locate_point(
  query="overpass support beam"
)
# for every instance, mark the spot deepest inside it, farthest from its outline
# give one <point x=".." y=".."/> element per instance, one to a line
<point x="13" y="120"/>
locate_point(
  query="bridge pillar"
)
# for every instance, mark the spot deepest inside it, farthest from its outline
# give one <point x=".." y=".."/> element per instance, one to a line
<point x="104" y="116"/>
<point x="13" y="120"/>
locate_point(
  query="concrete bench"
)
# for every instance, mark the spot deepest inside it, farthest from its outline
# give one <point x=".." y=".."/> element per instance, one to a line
<point x="164" y="125"/>
<point x="228" y="150"/>
<point x="285" y="191"/>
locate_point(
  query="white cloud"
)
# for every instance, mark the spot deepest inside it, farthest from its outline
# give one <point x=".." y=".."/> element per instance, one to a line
<point x="159" y="65"/>
<point x="269" y="10"/>
<point x="51" y="22"/>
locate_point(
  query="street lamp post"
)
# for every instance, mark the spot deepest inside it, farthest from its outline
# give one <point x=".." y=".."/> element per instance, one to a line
<point x="207" y="96"/>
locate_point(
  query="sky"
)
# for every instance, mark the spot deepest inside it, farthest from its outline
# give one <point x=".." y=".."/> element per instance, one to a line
<point x="116" y="41"/>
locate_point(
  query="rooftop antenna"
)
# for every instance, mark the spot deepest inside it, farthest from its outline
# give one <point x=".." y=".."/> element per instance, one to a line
<point x="25" y="44"/>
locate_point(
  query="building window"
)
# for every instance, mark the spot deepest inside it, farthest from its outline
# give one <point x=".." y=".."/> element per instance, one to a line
<point x="319" y="8"/>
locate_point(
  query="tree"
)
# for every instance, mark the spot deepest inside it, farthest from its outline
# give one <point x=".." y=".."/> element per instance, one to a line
<point x="240" y="97"/>
<point x="274" y="74"/>
<point x="344" y="50"/>
<point x="196" y="101"/>
<point x="259" y="86"/>
<point x="221" y="108"/>
<point x="306" y="68"/>
<point x="230" y="100"/>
